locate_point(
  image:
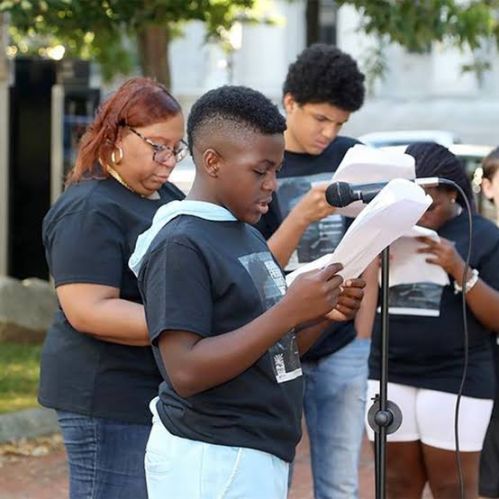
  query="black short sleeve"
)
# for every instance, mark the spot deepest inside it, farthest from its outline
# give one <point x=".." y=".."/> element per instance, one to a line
<point x="179" y="299"/>
<point x="86" y="248"/>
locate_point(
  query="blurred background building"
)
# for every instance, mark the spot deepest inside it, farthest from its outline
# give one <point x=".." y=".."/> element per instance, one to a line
<point x="45" y="104"/>
<point x="417" y="91"/>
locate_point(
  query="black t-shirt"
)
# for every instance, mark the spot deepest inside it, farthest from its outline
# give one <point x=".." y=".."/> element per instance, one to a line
<point x="222" y="276"/>
<point x="89" y="235"/>
<point x="495" y="352"/>
<point x="294" y="181"/>
<point x="428" y="351"/>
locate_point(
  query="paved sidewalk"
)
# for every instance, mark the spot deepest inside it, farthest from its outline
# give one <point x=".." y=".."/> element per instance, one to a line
<point x="44" y="476"/>
<point x="33" y="469"/>
<point x="36" y="469"/>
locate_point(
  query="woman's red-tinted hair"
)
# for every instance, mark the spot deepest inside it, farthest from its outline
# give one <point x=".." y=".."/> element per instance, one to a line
<point x="138" y="102"/>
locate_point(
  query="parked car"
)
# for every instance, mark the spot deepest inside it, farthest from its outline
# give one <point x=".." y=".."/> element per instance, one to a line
<point x="405" y="137"/>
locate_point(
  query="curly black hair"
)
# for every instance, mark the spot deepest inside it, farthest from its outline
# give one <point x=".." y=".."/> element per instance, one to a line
<point x="241" y="108"/>
<point x="323" y="73"/>
<point x="435" y="160"/>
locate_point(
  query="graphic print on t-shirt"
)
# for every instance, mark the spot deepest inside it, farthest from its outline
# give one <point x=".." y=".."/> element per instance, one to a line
<point x="417" y="298"/>
<point x="271" y="286"/>
<point x="321" y="237"/>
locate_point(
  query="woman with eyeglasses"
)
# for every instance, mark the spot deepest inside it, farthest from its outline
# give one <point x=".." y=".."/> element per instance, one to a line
<point x="97" y="370"/>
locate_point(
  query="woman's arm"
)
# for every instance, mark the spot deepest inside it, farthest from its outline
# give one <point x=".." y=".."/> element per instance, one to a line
<point x="482" y="299"/>
<point x="98" y="311"/>
<point x="195" y="364"/>
<point x="311" y="208"/>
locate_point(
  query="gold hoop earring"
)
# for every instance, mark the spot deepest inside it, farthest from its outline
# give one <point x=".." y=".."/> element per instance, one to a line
<point x="113" y="155"/>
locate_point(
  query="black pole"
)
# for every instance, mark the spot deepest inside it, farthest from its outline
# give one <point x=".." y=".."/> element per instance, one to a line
<point x="384" y="416"/>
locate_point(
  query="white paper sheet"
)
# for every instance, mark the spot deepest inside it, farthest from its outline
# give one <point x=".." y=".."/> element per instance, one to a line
<point x="393" y="212"/>
<point x="365" y="165"/>
<point x="407" y="266"/>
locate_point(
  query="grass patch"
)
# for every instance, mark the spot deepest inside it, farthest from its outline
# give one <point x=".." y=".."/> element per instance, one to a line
<point x="19" y="371"/>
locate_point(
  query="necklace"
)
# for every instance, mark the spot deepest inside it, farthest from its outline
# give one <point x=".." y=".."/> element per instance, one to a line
<point x="120" y="180"/>
<point x="155" y="195"/>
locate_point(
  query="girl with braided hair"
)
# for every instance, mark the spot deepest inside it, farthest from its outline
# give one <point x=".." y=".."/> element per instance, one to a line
<point x="426" y="351"/>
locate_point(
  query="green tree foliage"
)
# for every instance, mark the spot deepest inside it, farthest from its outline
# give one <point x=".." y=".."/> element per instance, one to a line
<point x="109" y="30"/>
<point x="415" y="24"/>
<point x="114" y="31"/>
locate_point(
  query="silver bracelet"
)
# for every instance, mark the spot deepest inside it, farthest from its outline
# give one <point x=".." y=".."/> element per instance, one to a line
<point x="469" y="283"/>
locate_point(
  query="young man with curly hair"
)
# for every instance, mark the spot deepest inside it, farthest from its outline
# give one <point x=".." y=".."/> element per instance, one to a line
<point x="322" y="88"/>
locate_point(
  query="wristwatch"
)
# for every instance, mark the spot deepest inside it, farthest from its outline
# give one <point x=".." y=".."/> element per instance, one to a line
<point x="469" y="283"/>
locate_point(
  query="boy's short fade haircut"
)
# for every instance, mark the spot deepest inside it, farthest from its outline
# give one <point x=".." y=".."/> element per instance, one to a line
<point x="324" y="74"/>
<point x="241" y="108"/>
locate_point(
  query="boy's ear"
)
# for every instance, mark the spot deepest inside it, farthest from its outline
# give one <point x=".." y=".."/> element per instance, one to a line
<point x="289" y="103"/>
<point x="211" y="162"/>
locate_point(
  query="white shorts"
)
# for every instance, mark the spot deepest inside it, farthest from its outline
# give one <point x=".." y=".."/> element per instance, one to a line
<point x="428" y="416"/>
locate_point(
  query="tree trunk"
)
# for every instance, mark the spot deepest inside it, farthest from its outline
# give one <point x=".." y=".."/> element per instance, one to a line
<point x="4" y="71"/>
<point x="312" y="12"/>
<point x="153" y="53"/>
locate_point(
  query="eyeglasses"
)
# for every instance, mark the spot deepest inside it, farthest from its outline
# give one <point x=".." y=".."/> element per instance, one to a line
<point x="162" y="154"/>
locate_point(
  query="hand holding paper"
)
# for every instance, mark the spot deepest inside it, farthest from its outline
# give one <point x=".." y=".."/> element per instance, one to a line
<point x="408" y="266"/>
<point x="349" y="301"/>
<point x="442" y="253"/>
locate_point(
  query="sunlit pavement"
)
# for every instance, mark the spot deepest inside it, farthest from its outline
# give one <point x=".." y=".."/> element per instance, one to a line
<point x="37" y="470"/>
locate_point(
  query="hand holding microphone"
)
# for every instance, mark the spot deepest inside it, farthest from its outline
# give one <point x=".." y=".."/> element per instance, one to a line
<point x="313" y="206"/>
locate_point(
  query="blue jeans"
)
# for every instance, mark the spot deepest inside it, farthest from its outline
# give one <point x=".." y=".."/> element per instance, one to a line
<point x="335" y="397"/>
<point x="106" y="458"/>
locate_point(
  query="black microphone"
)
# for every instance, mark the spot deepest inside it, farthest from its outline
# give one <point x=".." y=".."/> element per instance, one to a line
<point x="340" y="194"/>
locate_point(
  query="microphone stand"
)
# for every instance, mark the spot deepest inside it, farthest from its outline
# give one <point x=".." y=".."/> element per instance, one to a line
<point x="384" y="416"/>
